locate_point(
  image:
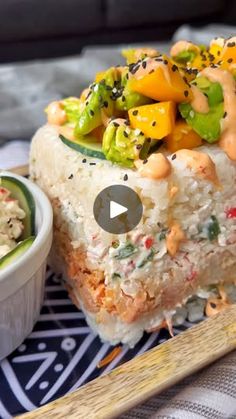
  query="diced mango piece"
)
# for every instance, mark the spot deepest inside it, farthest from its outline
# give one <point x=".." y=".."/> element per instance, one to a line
<point x="201" y="61"/>
<point x="228" y="54"/>
<point x="164" y="83"/>
<point x="182" y="136"/>
<point x="215" y="49"/>
<point x="155" y="121"/>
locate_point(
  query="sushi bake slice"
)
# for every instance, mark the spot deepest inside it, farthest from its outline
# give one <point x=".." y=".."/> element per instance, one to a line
<point x="168" y="132"/>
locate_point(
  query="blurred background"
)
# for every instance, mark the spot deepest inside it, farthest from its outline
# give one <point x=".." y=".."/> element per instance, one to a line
<point x="50" y="28"/>
<point x="52" y="48"/>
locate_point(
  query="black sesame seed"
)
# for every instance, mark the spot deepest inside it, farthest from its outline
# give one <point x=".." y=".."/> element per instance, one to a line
<point x="89" y="93"/>
<point x="153" y="123"/>
<point x="84" y="160"/>
<point x="131" y="66"/>
<point x="144" y="64"/>
<point x="165" y="62"/>
<point x="230" y="60"/>
<point x="152" y="71"/>
<point x="213" y="305"/>
<point x="71" y="176"/>
<point x="218" y="53"/>
<point x="116" y="124"/>
<point x="158" y="59"/>
<point x="123" y="98"/>
<point x="127" y="76"/>
<point x="211" y="57"/>
<point x="145" y="161"/>
<point x="86" y="103"/>
<point x="91" y="112"/>
<point x="126" y="134"/>
<point x="92" y="163"/>
<point x="141" y="133"/>
<point x="231" y="44"/>
<point x="135" y="113"/>
<point x="105" y="104"/>
<point x="174" y="67"/>
<point x="185" y="80"/>
<point x="135" y="69"/>
<point x="126" y="122"/>
<point x="139" y="146"/>
<point x="173" y="157"/>
<point x="125" y="177"/>
<point x="186" y="93"/>
<point x="225" y="114"/>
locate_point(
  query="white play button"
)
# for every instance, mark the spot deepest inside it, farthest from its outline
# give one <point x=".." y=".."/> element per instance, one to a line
<point x="116" y="209"/>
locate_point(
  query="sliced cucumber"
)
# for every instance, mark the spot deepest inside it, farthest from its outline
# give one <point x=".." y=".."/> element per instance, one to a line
<point x="88" y="146"/>
<point x="26" y="201"/>
<point x="15" y="253"/>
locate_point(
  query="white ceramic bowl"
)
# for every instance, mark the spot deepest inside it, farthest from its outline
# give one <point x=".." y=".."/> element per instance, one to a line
<point x="22" y="282"/>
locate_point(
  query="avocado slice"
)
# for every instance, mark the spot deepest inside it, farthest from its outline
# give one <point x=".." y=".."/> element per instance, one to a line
<point x="100" y="97"/>
<point x="129" y="99"/>
<point x="186" y="56"/>
<point x="207" y="125"/>
<point x="123" y="145"/>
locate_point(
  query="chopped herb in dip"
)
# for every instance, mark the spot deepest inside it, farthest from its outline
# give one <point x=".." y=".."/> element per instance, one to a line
<point x="125" y="251"/>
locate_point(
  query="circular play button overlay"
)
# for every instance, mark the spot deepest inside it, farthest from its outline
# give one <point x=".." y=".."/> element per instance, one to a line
<point x="117" y="209"/>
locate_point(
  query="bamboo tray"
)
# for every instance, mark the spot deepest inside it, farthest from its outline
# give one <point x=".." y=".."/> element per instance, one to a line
<point x="147" y="374"/>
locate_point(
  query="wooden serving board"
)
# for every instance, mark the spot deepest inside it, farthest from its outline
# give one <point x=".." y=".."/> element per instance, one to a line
<point x="148" y="374"/>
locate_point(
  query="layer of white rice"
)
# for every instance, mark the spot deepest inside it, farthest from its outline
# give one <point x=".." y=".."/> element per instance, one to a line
<point x="51" y="165"/>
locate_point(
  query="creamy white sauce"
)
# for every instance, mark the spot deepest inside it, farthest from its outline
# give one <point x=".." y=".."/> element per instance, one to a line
<point x="11" y="226"/>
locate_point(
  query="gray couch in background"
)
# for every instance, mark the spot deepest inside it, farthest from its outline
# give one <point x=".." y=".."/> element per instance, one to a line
<point x="50" y="28"/>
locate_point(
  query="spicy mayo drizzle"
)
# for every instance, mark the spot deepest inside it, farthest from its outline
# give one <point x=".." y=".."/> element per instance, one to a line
<point x="199" y="102"/>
